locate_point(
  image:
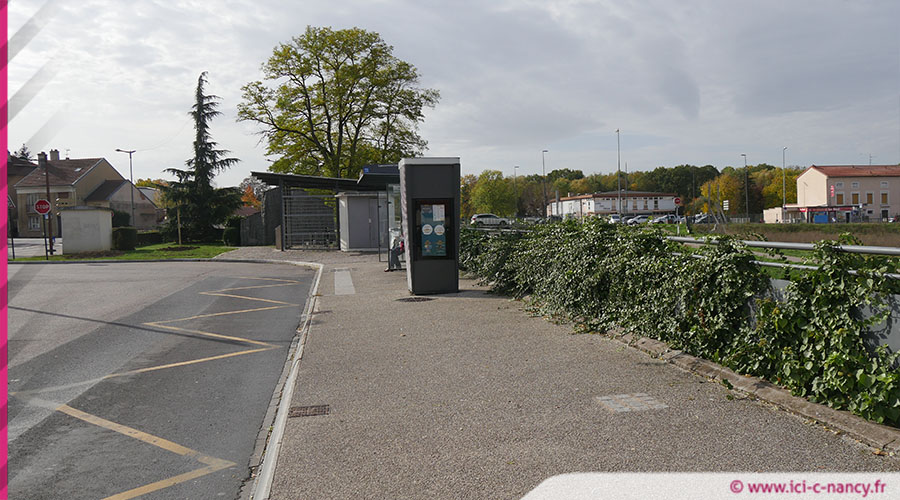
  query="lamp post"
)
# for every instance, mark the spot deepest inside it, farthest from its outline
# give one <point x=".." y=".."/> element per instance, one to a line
<point x="544" y="176"/>
<point x="618" y="175"/>
<point x="131" y="179"/>
<point x="746" y="187"/>
<point x="783" y="185"/>
<point x="516" y="188"/>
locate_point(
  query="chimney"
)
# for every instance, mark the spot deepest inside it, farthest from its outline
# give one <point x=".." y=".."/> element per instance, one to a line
<point x="54" y="155"/>
<point x="42" y="160"/>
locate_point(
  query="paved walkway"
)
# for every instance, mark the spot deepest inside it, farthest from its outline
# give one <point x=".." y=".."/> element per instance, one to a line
<point x="468" y="396"/>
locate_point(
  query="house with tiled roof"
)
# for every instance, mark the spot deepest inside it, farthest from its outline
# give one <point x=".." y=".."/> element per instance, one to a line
<point x="846" y="193"/>
<point x="16" y="170"/>
<point x="77" y="182"/>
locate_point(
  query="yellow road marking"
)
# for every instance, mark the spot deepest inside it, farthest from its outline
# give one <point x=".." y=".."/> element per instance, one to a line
<point x="192" y="362"/>
<point x="210" y="334"/>
<point x="224" y="313"/>
<point x="128" y="431"/>
<point x="254" y="287"/>
<point x="217" y="294"/>
<point x="212" y="464"/>
<point x="172" y="481"/>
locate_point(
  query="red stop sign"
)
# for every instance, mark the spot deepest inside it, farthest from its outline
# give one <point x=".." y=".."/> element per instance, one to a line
<point x="42" y="207"/>
<point x="677" y="200"/>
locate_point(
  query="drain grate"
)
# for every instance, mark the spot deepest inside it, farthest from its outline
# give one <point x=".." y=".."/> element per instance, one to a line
<point x="630" y="402"/>
<point x="415" y="299"/>
<point x="309" y="411"/>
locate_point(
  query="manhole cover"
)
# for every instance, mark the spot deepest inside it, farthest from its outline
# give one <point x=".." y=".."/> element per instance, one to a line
<point x="630" y="402"/>
<point x="415" y="299"/>
<point x="309" y="411"/>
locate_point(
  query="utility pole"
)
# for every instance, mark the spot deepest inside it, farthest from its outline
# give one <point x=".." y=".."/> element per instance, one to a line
<point x="131" y="179"/>
<point x="42" y="159"/>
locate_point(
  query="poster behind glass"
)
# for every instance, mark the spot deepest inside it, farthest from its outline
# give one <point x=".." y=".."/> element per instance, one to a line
<point x="433" y="228"/>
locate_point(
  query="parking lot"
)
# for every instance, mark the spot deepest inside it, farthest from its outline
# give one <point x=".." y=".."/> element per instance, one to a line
<point x="144" y="379"/>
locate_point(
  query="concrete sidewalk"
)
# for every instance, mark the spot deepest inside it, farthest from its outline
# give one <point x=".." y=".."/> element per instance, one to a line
<point x="467" y="396"/>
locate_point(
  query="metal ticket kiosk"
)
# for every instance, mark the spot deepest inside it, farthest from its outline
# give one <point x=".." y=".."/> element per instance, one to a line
<point x="429" y="190"/>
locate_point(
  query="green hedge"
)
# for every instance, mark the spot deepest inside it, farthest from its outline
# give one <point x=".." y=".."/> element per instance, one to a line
<point x="147" y="238"/>
<point x="124" y="238"/>
<point x="719" y="306"/>
<point x="121" y="219"/>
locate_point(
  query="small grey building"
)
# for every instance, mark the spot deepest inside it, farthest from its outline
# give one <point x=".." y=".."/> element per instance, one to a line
<point x="306" y="211"/>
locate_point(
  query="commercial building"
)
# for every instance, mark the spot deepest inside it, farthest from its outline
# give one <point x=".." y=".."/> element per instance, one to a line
<point x="844" y="193"/>
<point x="606" y="203"/>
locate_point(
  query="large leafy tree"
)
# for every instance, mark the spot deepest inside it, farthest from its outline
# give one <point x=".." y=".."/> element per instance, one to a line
<point x="202" y="206"/>
<point x="493" y="193"/>
<point x="335" y="100"/>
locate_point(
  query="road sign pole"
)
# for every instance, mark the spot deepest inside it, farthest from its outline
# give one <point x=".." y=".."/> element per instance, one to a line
<point x="46" y="249"/>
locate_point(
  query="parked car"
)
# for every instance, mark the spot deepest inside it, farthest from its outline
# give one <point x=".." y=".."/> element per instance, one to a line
<point x="490" y="220"/>
<point x="704" y="219"/>
<point x="615" y="218"/>
<point x="640" y="219"/>
<point x="665" y="219"/>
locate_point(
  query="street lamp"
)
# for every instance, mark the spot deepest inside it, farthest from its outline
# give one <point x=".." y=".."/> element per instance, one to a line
<point x="783" y="185"/>
<point x="516" y="188"/>
<point x="619" y="175"/>
<point x="131" y="179"/>
<point x="544" y="176"/>
<point x="746" y="187"/>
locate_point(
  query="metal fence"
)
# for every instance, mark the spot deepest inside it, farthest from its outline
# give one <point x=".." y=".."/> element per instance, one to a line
<point x="310" y="221"/>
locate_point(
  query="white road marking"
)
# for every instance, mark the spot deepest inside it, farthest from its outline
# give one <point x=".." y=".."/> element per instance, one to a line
<point x="343" y="283"/>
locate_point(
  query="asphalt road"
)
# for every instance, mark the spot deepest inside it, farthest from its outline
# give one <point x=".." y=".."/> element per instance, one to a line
<point x="148" y="379"/>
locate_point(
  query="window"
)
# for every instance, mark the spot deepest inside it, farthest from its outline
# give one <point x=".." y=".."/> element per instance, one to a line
<point x="839" y="185"/>
<point x="656" y="204"/>
<point x="884" y="184"/>
<point x="30" y="200"/>
<point x="64" y="196"/>
<point x="870" y="198"/>
<point x="854" y="185"/>
<point x="34" y="222"/>
<point x="645" y="203"/>
<point x="839" y="198"/>
<point x="884" y="198"/>
<point x="854" y="198"/>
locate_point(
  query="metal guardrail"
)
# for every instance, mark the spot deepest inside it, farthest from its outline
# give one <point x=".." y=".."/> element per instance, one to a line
<point x="782" y="245"/>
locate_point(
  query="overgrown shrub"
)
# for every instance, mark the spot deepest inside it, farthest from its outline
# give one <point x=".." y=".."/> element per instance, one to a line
<point x="124" y="238"/>
<point x="714" y="302"/>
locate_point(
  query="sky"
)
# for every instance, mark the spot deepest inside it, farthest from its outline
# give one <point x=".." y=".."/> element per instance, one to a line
<point x="689" y="82"/>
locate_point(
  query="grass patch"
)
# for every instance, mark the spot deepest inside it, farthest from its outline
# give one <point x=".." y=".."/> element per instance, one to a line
<point x="161" y="251"/>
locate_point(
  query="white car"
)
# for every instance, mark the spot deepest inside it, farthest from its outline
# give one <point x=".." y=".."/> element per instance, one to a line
<point x="489" y="220"/>
<point x="640" y="219"/>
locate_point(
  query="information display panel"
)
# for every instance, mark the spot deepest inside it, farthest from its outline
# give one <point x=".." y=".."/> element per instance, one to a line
<point x="433" y="229"/>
